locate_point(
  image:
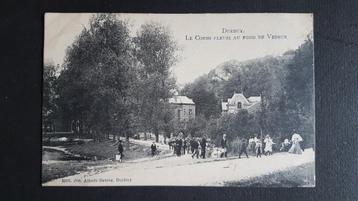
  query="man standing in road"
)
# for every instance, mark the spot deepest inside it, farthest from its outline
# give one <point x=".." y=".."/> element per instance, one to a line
<point x="243" y="147"/>
<point x="120" y="150"/>
<point x="224" y="145"/>
<point x="195" y="147"/>
<point x="184" y="146"/>
<point x="179" y="143"/>
<point x="153" y="147"/>
<point x="203" y="147"/>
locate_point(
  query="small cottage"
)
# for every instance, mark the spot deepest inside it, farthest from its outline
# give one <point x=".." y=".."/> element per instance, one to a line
<point x="238" y="102"/>
<point x="184" y="108"/>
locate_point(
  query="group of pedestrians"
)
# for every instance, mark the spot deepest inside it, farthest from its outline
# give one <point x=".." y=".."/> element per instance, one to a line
<point x="260" y="147"/>
<point x="198" y="146"/>
<point x="264" y="146"/>
<point x="179" y="146"/>
<point x="195" y="145"/>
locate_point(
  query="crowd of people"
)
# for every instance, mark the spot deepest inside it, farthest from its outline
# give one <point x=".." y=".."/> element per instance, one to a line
<point x="195" y="146"/>
<point x="200" y="147"/>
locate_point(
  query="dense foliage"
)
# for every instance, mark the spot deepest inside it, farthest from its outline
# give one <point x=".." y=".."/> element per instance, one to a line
<point x="113" y="83"/>
<point x="285" y="84"/>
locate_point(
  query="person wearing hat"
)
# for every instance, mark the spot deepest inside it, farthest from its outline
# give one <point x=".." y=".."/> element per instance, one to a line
<point x="153" y="147"/>
<point x="224" y="145"/>
<point x="296" y="139"/>
<point x="120" y="149"/>
<point x="203" y="147"/>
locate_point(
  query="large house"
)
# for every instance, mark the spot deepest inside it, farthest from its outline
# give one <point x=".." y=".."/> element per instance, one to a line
<point x="238" y="102"/>
<point x="184" y="108"/>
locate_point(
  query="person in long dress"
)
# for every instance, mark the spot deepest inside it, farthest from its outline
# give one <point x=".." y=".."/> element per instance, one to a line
<point x="296" y="139"/>
<point x="268" y="145"/>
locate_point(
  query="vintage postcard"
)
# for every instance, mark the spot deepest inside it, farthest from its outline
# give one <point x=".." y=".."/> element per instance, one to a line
<point x="178" y="100"/>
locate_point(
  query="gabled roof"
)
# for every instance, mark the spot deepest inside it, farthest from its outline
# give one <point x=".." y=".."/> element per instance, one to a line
<point x="181" y="100"/>
<point x="238" y="97"/>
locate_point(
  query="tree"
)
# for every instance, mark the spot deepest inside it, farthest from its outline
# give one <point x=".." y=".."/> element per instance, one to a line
<point x="197" y="127"/>
<point x="167" y="125"/>
<point x="95" y="85"/>
<point x="49" y="108"/>
<point x="299" y="90"/>
<point x="155" y="50"/>
<point x="206" y="102"/>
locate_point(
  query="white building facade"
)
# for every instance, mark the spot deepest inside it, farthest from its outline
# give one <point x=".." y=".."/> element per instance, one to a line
<point x="238" y="102"/>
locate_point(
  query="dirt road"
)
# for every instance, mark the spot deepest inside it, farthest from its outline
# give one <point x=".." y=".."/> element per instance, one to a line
<point x="185" y="171"/>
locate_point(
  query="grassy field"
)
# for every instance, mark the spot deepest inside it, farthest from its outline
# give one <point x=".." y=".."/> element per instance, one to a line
<point x="104" y="151"/>
<point x="301" y="176"/>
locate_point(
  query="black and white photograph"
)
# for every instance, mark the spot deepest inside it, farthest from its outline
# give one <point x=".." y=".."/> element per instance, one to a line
<point x="145" y="99"/>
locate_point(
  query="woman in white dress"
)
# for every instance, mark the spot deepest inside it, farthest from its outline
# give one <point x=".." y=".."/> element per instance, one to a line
<point x="268" y="145"/>
<point x="296" y="148"/>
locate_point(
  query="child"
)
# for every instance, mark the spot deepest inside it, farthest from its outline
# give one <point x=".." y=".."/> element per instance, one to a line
<point x="285" y="145"/>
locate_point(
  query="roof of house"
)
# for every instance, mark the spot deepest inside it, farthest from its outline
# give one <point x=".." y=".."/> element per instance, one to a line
<point x="253" y="107"/>
<point x="238" y="97"/>
<point x="252" y="103"/>
<point x="181" y="100"/>
<point x="254" y="99"/>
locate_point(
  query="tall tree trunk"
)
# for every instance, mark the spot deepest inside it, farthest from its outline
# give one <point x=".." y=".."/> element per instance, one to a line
<point x="127" y="140"/>
<point x="156" y="133"/>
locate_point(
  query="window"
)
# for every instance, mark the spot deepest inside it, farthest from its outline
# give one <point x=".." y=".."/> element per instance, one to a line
<point x="179" y="114"/>
<point x="190" y="111"/>
<point x="239" y="105"/>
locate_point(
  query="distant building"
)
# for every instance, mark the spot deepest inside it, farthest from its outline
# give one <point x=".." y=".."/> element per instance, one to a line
<point x="184" y="108"/>
<point x="239" y="102"/>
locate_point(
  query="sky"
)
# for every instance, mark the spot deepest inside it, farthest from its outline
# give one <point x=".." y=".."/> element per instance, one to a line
<point x="196" y="56"/>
